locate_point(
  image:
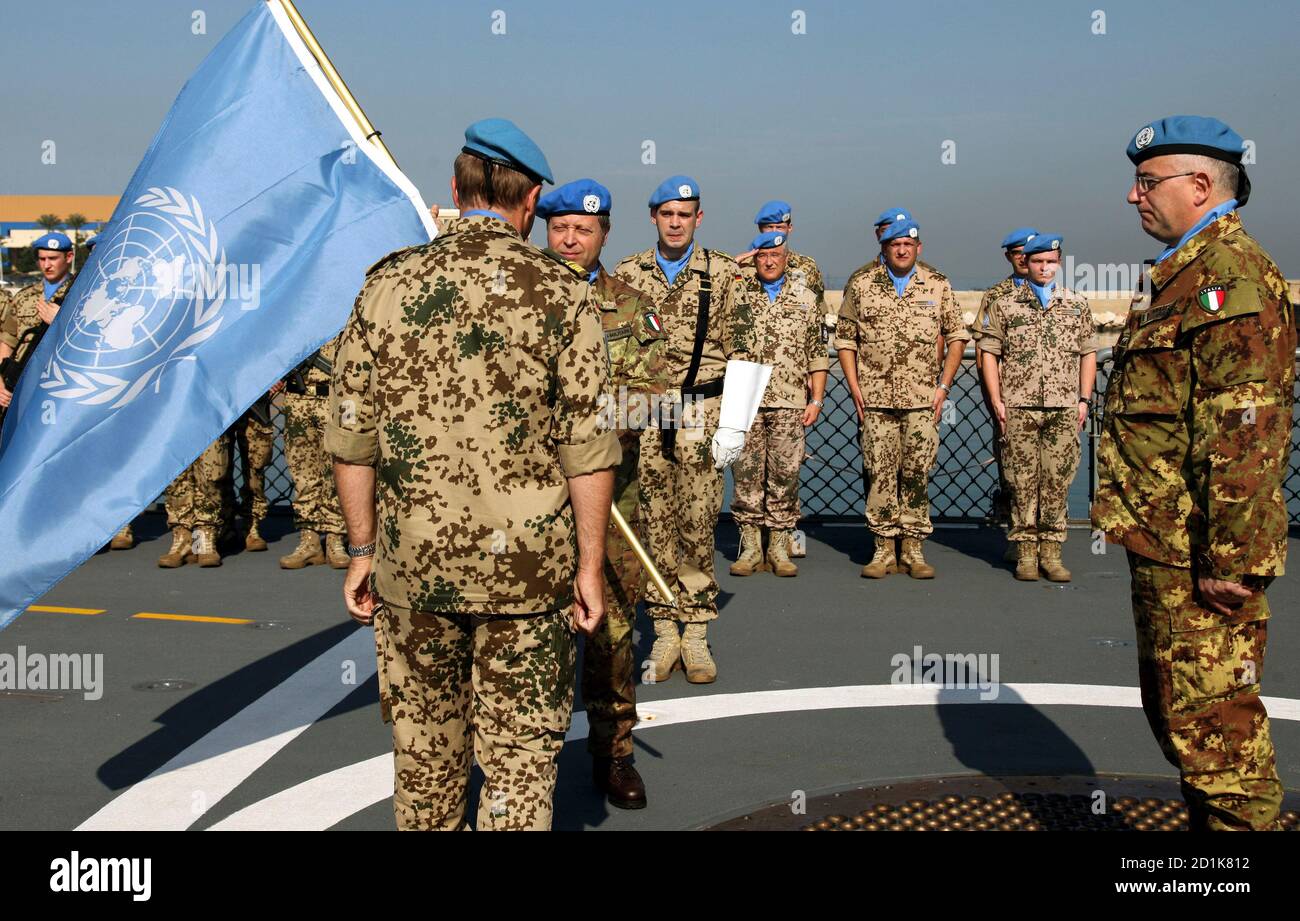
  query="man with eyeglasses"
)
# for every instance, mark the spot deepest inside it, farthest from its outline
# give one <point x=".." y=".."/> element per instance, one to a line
<point x="1191" y="465"/>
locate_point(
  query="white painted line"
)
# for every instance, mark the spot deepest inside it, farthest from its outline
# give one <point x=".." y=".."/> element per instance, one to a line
<point x="178" y="793"/>
<point x="330" y="798"/>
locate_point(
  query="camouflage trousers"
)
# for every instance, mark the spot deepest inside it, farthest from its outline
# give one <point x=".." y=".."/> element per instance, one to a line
<point x="680" y="504"/>
<point x="255" y="442"/>
<point x="608" y="659"/>
<point x="1042" y="455"/>
<point x="1200" y="674"/>
<point x="315" y="501"/>
<point x="767" y="473"/>
<point x="1002" y="501"/>
<point x="898" y="448"/>
<point x="197" y="498"/>
<point x="459" y="688"/>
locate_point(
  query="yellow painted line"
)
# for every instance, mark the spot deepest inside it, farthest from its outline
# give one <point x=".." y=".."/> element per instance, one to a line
<point x="148" y="615"/>
<point x="54" y="609"/>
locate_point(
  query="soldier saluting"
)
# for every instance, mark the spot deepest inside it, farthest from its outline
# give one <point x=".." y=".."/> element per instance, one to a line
<point x="1192" y="459"/>
<point x="34" y="308"/>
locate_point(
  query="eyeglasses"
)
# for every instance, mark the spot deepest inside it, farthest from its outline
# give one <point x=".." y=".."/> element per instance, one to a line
<point x="1146" y="183"/>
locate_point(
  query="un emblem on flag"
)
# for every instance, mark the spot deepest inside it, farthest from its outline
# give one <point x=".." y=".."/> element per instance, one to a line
<point x="156" y="290"/>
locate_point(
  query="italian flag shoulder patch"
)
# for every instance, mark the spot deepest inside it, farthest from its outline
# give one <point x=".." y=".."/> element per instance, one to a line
<point x="653" y="323"/>
<point x="1210" y="298"/>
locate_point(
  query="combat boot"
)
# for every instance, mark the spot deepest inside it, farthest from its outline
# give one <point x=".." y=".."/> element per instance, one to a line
<point x="123" y="539"/>
<point x="253" y="540"/>
<point x="751" y="551"/>
<point x="883" y="563"/>
<point x="912" y="562"/>
<point x="307" y="553"/>
<point x="175" y="557"/>
<point x="205" y="547"/>
<point x="778" y="555"/>
<point x="335" y="552"/>
<point x="1049" y="561"/>
<point x="700" y="668"/>
<point x="1027" y="561"/>
<point x="798" y="548"/>
<point x="666" y="654"/>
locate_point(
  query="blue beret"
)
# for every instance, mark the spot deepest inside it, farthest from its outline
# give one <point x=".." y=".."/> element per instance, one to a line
<point x="889" y="215"/>
<point x="1191" y="134"/>
<point x="57" y="242"/>
<point x="92" y="243"/>
<point x="1044" y="243"/>
<point x="675" y="188"/>
<point x="904" y="228"/>
<point x="499" y="141"/>
<point x="773" y="212"/>
<point x="770" y="240"/>
<point x="582" y="196"/>
<point x="1019" y="237"/>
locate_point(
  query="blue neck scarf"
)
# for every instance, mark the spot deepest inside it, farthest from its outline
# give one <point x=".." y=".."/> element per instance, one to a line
<point x="900" y="284"/>
<point x="52" y="286"/>
<point x="485" y="212"/>
<point x="672" y="269"/>
<point x="1044" y="292"/>
<point x="1017" y="280"/>
<point x="773" y="288"/>
<point x="1210" y="217"/>
<point x="593" y="274"/>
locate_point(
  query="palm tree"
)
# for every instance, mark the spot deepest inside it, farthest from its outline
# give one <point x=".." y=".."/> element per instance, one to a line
<point x="75" y="222"/>
<point x="49" y="221"/>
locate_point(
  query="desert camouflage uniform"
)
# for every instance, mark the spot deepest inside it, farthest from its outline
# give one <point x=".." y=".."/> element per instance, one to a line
<point x="898" y="370"/>
<point x="638" y="368"/>
<point x="20" y="314"/>
<point x="315" y="501"/>
<point x="682" y="498"/>
<point x="1002" y="503"/>
<point x="197" y="498"/>
<point x="471" y="371"/>
<point x="1040" y="351"/>
<point x="788" y="337"/>
<point x="1192" y="459"/>
<point x="255" y="443"/>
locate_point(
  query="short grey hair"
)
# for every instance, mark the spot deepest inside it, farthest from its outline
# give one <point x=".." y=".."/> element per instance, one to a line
<point x="1223" y="174"/>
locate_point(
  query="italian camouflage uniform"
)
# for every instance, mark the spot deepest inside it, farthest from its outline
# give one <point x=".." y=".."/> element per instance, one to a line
<point x="1040" y="349"/>
<point x="470" y="377"/>
<point x="638" y="370"/>
<point x="898" y="368"/>
<point x="788" y="337"/>
<point x="1002" y="502"/>
<point x="681" y="495"/>
<point x="315" y="500"/>
<point x="1193" y="455"/>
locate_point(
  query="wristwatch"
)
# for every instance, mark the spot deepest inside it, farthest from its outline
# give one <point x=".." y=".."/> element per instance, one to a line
<point x="363" y="550"/>
<point x="818" y="403"/>
<point x="946" y="388"/>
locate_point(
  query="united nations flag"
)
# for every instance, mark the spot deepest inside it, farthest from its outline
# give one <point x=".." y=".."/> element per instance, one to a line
<point x="235" y="252"/>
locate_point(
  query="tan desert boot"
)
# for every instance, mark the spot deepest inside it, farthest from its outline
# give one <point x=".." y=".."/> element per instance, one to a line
<point x="666" y="654"/>
<point x="1049" y="561"/>
<point x="1027" y="561"/>
<point x="778" y="555"/>
<point x="751" y="551"/>
<point x="335" y="552"/>
<point x="123" y="539"/>
<point x="883" y="563"/>
<point x="700" y="667"/>
<point x="204" y="547"/>
<point x="175" y="557"/>
<point x="253" y="540"/>
<point x="307" y="553"/>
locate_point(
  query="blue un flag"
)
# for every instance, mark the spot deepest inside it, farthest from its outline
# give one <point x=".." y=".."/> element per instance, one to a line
<point x="234" y="253"/>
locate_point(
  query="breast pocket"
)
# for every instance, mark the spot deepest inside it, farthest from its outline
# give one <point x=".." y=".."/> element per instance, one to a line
<point x="1154" y="376"/>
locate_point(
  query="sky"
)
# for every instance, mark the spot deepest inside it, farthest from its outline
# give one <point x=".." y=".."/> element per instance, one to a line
<point x="843" y="109"/>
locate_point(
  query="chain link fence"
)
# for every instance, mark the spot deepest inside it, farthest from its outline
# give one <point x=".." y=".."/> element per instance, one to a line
<point x="964" y="483"/>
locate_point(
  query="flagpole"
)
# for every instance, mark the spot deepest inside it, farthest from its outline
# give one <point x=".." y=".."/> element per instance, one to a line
<point x="368" y="130"/>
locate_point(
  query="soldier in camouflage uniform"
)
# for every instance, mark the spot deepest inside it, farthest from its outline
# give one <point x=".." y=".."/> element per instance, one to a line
<point x="198" y="508"/>
<point x="316" y="509"/>
<point x="788" y="336"/>
<point x="1039" y="349"/>
<point x="467" y="388"/>
<point x="888" y="217"/>
<point x="1192" y="459"/>
<point x="681" y="489"/>
<point x="577" y="225"/>
<point x="1013" y="246"/>
<point x="38" y="304"/>
<point x="776" y="216"/>
<point x="255" y="442"/>
<point x="892" y="315"/>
